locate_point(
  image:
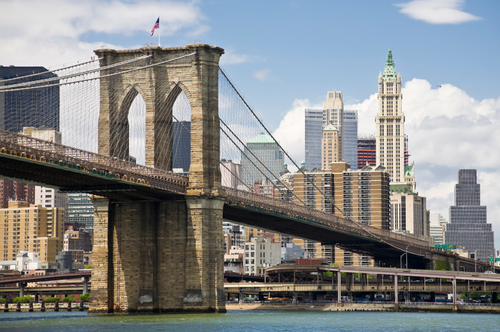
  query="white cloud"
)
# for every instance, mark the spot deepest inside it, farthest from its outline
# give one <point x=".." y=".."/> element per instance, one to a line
<point x="262" y="75"/>
<point x="437" y="11"/>
<point x="231" y="58"/>
<point x="53" y="29"/>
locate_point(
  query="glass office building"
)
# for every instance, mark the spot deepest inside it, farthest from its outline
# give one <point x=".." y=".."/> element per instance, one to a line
<point x="265" y="149"/>
<point x="350" y="140"/>
<point x="468" y="227"/>
<point x="313" y="132"/>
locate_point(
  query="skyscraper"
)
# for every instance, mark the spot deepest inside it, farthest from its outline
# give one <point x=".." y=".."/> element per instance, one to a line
<point x="468" y="227"/>
<point x="346" y="122"/>
<point x="351" y="138"/>
<point x="390" y="122"/>
<point x="333" y="113"/>
<point x="25" y="108"/>
<point x="313" y="129"/>
<point x="182" y="145"/>
<point x="330" y="149"/>
<point x="367" y="151"/>
<point x="268" y="152"/>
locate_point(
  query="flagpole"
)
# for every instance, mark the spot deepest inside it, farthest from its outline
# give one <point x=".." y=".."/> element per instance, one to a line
<point x="159" y="33"/>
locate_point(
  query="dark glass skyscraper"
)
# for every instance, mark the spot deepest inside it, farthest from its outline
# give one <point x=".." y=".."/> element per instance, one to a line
<point x="182" y="145"/>
<point x="37" y="108"/>
<point x="468" y="227"/>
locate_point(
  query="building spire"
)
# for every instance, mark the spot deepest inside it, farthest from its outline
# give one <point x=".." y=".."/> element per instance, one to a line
<point x="390" y="69"/>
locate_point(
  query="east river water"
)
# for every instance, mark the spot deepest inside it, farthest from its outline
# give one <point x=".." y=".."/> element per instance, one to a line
<point x="288" y="321"/>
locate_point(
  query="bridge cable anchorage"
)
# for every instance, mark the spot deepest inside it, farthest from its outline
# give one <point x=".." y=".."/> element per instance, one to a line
<point x="232" y="173"/>
<point x="11" y="88"/>
<point x="249" y="150"/>
<point x="284" y="151"/>
<point x="51" y="71"/>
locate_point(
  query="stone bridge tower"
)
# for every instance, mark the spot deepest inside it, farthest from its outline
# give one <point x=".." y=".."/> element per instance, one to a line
<point x="161" y="255"/>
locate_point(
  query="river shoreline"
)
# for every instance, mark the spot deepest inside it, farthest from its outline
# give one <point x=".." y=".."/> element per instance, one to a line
<point x="362" y="307"/>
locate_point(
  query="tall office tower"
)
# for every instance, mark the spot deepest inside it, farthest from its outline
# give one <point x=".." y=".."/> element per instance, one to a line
<point x="390" y="122"/>
<point x="409" y="213"/>
<point x="182" y="145"/>
<point x="31" y="228"/>
<point x="268" y="152"/>
<point x="437" y="227"/>
<point x="367" y="151"/>
<point x="333" y="113"/>
<point x="36" y="108"/>
<point x="468" y="227"/>
<point x="350" y="141"/>
<point x="345" y="121"/>
<point x="81" y="210"/>
<point x="330" y="147"/>
<point x="313" y="128"/>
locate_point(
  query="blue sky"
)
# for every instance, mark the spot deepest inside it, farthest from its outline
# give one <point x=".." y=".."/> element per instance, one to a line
<point x="285" y="56"/>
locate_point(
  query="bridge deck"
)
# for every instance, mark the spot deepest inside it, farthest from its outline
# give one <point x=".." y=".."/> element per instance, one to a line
<point x="42" y="162"/>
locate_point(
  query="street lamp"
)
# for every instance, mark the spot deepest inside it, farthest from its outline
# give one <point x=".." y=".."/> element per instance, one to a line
<point x="407" y="255"/>
<point x="475" y="259"/>
<point x="401" y="257"/>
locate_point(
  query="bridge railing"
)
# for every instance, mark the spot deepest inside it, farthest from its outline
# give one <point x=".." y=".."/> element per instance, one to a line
<point x="293" y="210"/>
<point x="46" y="151"/>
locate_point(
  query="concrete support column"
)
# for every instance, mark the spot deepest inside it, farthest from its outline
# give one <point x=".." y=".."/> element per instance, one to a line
<point x="85" y="281"/>
<point x="454" y="281"/>
<point x="22" y="285"/>
<point x="396" y="293"/>
<point x="294" y="298"/>
<point x="339" y="288"/>
<point x="101" y="299"/>
<point x="241" y="296"/>
<point x="204" y="256"/>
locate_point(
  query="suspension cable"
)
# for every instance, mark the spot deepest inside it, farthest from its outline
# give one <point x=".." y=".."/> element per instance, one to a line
<point x="249" y="150"/>
<point x="189" y="132"/>
<point x="299" y="168"/>
<point x="50" y="71"/>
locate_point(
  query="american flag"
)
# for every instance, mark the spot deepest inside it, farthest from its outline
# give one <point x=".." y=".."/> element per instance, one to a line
<point x="157" y="26"/>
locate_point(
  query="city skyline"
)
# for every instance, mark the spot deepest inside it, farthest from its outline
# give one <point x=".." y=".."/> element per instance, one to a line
<point x="445" y="51"/>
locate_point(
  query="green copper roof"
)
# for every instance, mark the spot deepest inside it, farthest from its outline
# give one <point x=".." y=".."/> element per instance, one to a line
<point x="330" y="127"/>
<point x="262" y="138"/>
<point x="409" y="170"/>
<point x="390" y="69"/>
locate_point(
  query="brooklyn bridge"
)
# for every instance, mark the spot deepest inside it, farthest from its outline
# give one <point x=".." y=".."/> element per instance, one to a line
<point x="150" y="221"/>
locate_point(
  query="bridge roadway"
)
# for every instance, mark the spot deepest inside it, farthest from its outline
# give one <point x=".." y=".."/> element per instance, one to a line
<point x="73" y="170"/>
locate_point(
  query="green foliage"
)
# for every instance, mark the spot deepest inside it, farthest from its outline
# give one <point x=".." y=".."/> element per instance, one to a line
<point x="51" y="300"/>
<point x="23" y="299"/>
<point x="445" y="266"/>
<point x="85" y="297"/>
<point x="69" y="298"/>
<point x="88" y="266"/>
<point x="2" y="300"/>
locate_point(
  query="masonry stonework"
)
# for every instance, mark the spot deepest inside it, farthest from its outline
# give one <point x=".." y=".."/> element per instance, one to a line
<point x="161" y="256"/>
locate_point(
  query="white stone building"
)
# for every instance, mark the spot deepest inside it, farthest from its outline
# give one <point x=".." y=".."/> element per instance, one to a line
<point x="261" y="252"/>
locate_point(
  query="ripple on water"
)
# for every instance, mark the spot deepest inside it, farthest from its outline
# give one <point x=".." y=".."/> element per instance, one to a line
<point x="288" y="321"/>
